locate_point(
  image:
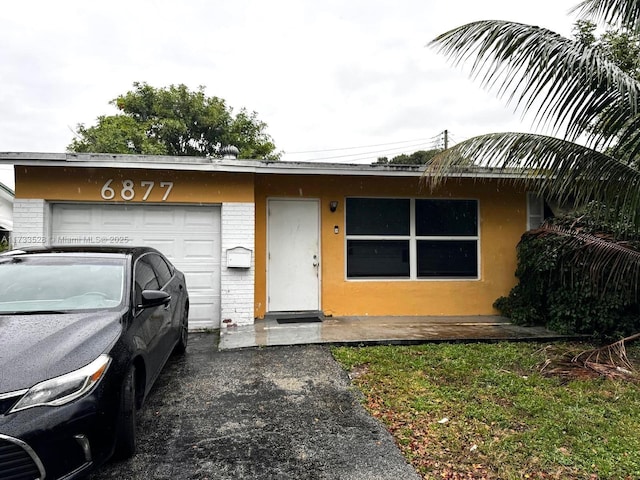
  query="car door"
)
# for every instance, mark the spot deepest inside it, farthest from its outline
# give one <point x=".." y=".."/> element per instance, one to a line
<point x="169" y="284"/>
<point x="150" y="323"/>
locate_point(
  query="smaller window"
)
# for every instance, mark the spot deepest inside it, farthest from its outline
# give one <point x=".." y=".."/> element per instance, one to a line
<point x="441" y="218"/>
<point x="160" y="266"/>
<point x="450" y="259"/>
<point x="145" y="279"/>
<point x="378" y="258"/>
<point x="378" y="216"/>
<point x="535" y="210"/>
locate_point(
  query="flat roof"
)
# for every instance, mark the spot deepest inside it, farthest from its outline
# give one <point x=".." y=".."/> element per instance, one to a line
<point x="163" y="162"/>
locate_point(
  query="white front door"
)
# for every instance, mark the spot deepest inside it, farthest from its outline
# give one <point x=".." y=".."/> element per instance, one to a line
<point x="293" y="255"/>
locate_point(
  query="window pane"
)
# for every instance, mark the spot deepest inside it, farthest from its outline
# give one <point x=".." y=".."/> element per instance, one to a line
<point x="161" y="268"/>
<point x="378" y="216"/>
<point x="451" y="258"/>
<point x="145" y="279"/>
<point x="535" y="211"/>
<point x="446" y="217"/>
<point x="377" y="258"/>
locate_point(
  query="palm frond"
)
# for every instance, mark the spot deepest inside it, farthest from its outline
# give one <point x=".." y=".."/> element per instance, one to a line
<point x="610" y="264"/>
<point x="569" y="84"/>
<point x="624" y="13"/>
<point x="563" y="170"/>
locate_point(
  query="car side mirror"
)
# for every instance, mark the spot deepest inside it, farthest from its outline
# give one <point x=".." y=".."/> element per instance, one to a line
<point x="154" y="298"/>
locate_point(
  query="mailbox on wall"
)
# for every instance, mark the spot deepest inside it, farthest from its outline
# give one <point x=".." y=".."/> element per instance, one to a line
<point x="238" y="257"/>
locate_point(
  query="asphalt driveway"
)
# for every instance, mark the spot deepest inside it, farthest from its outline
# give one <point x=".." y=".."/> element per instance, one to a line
<point x="279" y="412"/>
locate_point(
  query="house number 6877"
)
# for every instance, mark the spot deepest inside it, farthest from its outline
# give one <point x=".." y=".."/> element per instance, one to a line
<point x="127" y="190"/>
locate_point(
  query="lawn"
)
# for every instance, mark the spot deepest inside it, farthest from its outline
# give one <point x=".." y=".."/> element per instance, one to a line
<point x="478" y="411"/>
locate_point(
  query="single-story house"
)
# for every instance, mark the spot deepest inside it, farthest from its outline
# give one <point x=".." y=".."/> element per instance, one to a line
<point x="256" y="237"/>
<point x="6" y="214"/>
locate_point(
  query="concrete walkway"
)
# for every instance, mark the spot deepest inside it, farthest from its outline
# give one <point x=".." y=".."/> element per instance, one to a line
<point x="379" y="330"/>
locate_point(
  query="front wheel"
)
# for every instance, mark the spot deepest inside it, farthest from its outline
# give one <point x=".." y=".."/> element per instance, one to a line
<point x="181" y="346"/>
<point x="126" y="427"/>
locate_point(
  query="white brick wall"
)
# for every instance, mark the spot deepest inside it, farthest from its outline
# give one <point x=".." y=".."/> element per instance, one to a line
<point x="237" y="284"/>
<point x="30" y="222"/>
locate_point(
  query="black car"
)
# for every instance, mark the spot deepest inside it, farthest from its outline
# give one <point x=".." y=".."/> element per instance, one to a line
<point x="84" y="332"/>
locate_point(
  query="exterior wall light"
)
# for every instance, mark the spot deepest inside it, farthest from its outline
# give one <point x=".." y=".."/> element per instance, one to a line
<point x="333" y="205"/>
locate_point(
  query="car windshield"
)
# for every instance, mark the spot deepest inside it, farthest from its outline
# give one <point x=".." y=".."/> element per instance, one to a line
<point x="63" y="283"/>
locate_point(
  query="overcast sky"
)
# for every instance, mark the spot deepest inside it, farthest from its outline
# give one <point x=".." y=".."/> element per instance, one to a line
<point x="325" y="75"/>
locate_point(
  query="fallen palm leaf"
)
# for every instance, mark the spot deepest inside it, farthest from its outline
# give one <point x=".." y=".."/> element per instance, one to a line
<point x="610" y="361"/>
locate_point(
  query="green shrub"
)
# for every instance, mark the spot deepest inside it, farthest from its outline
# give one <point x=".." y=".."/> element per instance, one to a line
<point x="558" y="289"/>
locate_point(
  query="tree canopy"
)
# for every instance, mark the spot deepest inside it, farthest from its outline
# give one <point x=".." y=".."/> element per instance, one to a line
<point x="623" y="48"/>
<point x="174" y="121"/>
<point x="620" y="45"/>
<point x="578" y="89"/>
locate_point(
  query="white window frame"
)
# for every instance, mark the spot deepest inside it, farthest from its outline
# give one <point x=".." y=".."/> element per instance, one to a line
<point x="413" y="244"/>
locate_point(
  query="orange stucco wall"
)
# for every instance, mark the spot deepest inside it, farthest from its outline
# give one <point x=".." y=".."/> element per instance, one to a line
<point x="502" y="222"/>
<point x="87" y="184"/>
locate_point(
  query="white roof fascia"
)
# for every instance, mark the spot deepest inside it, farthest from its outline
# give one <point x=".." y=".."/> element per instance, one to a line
<point x="106" y="160"/>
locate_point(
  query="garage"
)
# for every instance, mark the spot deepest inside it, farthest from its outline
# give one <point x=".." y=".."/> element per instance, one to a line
<point x="189" y="235"/>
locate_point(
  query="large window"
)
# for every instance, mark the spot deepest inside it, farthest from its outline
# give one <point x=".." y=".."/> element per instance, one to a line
<point x="411" y="238"/>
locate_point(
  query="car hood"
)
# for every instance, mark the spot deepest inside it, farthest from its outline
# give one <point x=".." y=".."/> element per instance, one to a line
<point x="39" y="347"/>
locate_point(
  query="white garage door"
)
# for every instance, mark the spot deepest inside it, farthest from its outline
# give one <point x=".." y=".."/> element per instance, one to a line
<point x="188" y="235"/>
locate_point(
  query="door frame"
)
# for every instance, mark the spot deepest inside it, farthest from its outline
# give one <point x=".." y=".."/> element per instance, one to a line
<point x="318" y="204"/>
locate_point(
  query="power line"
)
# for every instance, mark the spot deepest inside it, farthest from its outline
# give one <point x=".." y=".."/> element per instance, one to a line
<point x="365" y="146"/>
<point x="405" y="147"/>
<point x="398" y="150"/>
<point x="361" y="157"/>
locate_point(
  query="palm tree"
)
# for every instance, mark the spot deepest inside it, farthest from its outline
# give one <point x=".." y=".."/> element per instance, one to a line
<point x="577" y="92"/>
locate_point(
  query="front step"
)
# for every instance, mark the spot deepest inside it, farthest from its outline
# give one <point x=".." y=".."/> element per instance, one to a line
<point x="296" y="317"/>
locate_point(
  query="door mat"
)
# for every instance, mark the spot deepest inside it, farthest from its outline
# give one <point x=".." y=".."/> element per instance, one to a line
<point x="310" y="319"/>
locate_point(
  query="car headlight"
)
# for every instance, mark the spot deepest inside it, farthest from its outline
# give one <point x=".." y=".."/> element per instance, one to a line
<point x="65" y="388"/>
